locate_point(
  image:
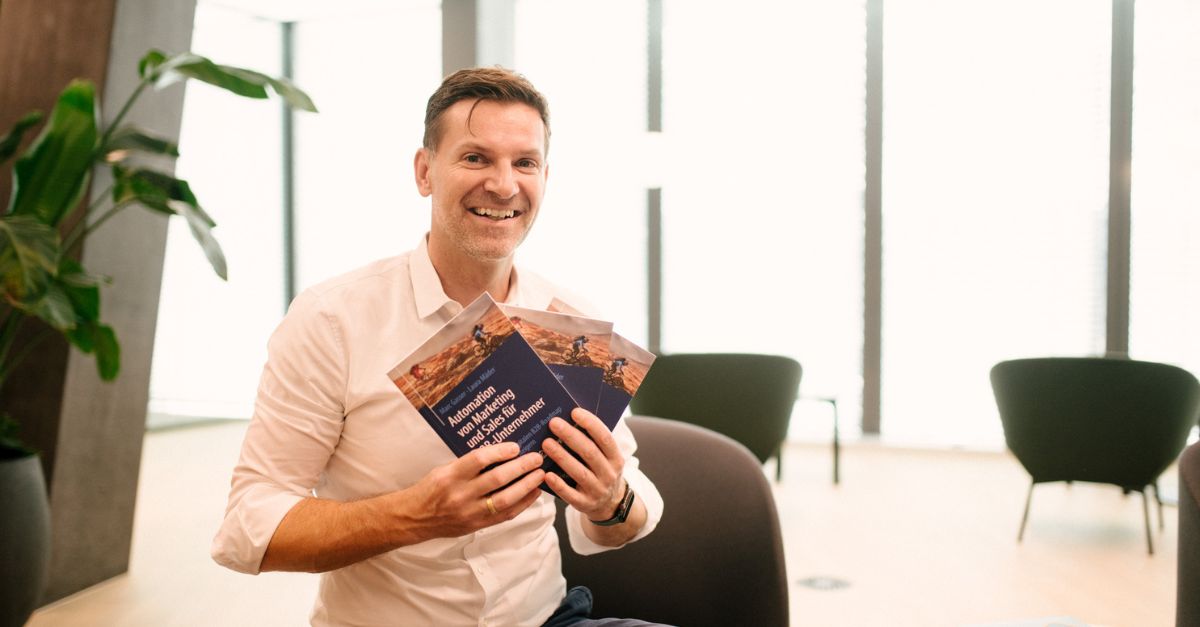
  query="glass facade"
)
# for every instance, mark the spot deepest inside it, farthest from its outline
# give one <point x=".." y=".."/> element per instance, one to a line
<point x="994" y="179"/>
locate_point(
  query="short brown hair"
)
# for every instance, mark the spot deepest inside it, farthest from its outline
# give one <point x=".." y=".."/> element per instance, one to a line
<point x="482" y="83"/>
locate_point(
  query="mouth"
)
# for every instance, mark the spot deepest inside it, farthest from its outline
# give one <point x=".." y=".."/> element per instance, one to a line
<point x="495" y="214"/>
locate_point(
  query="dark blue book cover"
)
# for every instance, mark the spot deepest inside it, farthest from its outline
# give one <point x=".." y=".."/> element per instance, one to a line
<point x="484" y="384"/>
<point x="624" y="368"/>
<point x="627" y="366"/>
<point x="575" y="349"/>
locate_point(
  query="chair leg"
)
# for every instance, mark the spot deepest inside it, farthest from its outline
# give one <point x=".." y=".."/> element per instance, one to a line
<point x="1146" y="513"/>
<point x="1025" y="516"/>
<point x="1158" y="497"/>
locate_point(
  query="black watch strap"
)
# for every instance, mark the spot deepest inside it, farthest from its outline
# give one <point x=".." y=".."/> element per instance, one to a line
<point x="623" y="509"/>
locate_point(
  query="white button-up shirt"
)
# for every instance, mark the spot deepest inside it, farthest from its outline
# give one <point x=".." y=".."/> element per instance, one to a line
<point x="328" y="422"/>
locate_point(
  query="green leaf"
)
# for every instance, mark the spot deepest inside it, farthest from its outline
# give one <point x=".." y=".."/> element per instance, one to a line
<point x="108" y="353"/>
<point x="167" y="194"/>
<point x="240" y="81"/>
<point x="153" y="189"/>
<point x="54" y="308"/>
<point x="83" y="337"/>
<point x="52" y="175"/>
<point x="91" y="337"/>
<point x="134" y="186"/>
<point x="29" y="252"/>
<point x="187" y="65"/>
<point x="10" y="142"/>
<point x="201" y="227"/>
<point x="292" y="95"/>
<point x="81" y="288"/>
<point x="150" y="62"/>
<point x="130" y="138"/>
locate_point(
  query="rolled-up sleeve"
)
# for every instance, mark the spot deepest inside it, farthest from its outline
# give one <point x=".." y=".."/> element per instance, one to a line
<point x="642" y="487"/>
<point x="298" y="418"/>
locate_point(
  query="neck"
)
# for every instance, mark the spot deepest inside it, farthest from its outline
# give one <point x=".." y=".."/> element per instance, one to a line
<point x="465" y="279"/>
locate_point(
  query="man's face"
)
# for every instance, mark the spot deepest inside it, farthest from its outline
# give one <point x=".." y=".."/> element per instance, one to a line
<point x="486" y="180"/>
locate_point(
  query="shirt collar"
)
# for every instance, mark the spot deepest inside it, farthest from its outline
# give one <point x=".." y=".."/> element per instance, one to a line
<point x="427" y="286"/>
<point x="431" y="298"/>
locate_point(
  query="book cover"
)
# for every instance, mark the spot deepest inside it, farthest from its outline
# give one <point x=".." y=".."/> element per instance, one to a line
<point x="404" y="381"/>
<point x="482" y="384"/>
<point x="575" y="348"/>
<point x="627" y="367"/>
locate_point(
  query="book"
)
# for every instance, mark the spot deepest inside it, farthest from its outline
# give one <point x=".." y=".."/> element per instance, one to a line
<point x="478" y="382"/>
<point x="625" y="367"/>
<point x="574" y="348"/>
<point x="499" y="373"/>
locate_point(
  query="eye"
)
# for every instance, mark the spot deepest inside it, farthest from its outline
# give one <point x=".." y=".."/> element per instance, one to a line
<point x="473" y="158"/>
<point x="527" y="164"/>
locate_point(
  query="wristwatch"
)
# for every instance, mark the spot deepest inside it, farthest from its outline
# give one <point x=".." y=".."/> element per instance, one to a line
<point x="623" y="509"/>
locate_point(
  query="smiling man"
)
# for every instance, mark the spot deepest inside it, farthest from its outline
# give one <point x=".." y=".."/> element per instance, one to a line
<point x="340" y="475"/>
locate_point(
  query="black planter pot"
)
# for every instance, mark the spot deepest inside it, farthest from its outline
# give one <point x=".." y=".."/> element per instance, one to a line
<point x="24" y="538"/>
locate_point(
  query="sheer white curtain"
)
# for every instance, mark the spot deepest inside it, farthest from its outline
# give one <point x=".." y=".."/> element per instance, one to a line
<point x="210" y="342"/>
<point x="369" y="66"/>
<point x="763" y="106"/>
<point x="589" y="59"/>
<point x="1165" y="255"/>
<point x="994" y="198"/>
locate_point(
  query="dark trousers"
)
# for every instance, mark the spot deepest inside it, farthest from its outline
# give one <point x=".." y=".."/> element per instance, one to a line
<point x="576" y="610"/>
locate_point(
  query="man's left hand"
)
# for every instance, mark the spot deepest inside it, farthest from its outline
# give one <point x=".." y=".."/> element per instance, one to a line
<point x="597" y="471"/>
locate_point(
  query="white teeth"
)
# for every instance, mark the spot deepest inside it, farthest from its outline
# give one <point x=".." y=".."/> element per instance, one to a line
<point x="493" y="213"/>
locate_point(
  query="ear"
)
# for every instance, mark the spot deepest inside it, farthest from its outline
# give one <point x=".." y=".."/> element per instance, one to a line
<point x="421" y="164"/>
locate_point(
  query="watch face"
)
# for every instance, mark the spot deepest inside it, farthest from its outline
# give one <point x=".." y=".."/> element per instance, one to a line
<point x="623" y="509"/>
<point x="626" y="504"/>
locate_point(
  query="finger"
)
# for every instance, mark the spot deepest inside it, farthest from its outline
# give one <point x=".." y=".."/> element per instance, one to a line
<point x="582" y="474"/>
<point x="506" y="473"/>
<point x="565" y="492"/>
<point x="474" y="462"/>
<point x="513" y="499"/>
<point x="582" y="445"/>
<point x="598" y="431"/>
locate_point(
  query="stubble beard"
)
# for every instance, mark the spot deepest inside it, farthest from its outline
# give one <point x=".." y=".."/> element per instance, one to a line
<point x="478" y="246"/>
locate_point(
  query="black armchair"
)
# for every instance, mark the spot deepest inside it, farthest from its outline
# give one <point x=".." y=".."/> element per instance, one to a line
<point x="747" y="397"/>
<point x="716" y="557"/>
<point x="1114" y="421"/>
<point x="1187" y="597"/>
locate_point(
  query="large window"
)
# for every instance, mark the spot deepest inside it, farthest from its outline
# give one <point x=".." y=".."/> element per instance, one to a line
<point x="1165" y="258"/>
<point x="995" y="156"/>
<point x="210" y="343"/>
<point x="591" y="232"/>
<point x="762" y="179"/>
<point x="995" y="191"/>
<point x="370" y="68"/>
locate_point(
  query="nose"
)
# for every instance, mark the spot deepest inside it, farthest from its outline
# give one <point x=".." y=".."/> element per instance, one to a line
<point x="501" y="181"/>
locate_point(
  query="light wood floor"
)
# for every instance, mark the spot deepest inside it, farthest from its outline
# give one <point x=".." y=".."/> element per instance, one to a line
<point x="922" y="538"/>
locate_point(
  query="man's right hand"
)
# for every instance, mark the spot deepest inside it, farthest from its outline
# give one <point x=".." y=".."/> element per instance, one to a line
<point x="319" y="535"/>
<point x="452" y="500"/>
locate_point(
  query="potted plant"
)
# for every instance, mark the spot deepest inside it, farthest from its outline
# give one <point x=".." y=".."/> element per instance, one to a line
<point x="42" y="227"/>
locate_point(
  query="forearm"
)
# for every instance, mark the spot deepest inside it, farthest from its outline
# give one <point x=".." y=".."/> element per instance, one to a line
<point x="319" y="535"/>
<point x="617" y="535"/>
